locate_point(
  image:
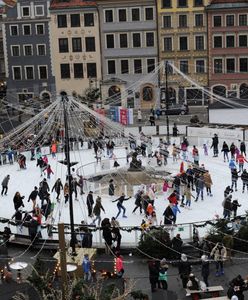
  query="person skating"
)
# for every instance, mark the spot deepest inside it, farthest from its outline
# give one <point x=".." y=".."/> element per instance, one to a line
<point x="190" y="177"/>
<point x="81" y="184"/>
<point x="225" y="150"/>
<point x="219" y="254"/>
<point x="49" y="171"/>
<point x="241" y="160"/>
<point x="227" y="205"/>
<point x="184" y="269"/>
<point x="111" y="188"/>
<point x="97" y="210"/>
<point x="138" y="201"/>
<point x="227" y="191"/>
<point x="120" y="206"/>
<point x="235" y="177"/>
<point x="139" y="115"/>
<point x="205" y="269"/>
<point x="162" y="276"/>
<point x="43" y="190"/>
<point x="232" y="164"/>
<point x="188" y="196"/>
<point x="243" y="148"/>
<point x="5" y="184"/>
<point x="199" y="184"/>
<point x="195" y="155"/>
<point x="244" y="178"/>
<point x="208" y="182"/>
<point x="90" y="203"/>
<point x="66" y="191"/>
<point x="33" y="196"/>
<point x="215" y="143"/>
<point x="168" y="215"/>
<point x="232" y="150"/>
<point x="74" y="185"/>
<point x="58" y="186"/>
<point x="18" y="200"/>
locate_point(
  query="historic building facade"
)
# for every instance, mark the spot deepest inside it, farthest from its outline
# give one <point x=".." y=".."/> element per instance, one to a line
<point x="26" y="42"/>
<point x="228" y="42"/>
<point x="182" y="31"/>
<point x="129" y="52"/>
<point x="76" y="52"/>
<point x="2" y="63"/>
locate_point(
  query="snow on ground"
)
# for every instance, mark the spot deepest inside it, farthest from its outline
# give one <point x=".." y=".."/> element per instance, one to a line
<point x="25" y="180"/>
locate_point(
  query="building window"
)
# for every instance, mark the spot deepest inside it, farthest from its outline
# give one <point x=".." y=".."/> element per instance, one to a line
<point x="78" y="70"/>
<point x="40" y="29"/>
<point x="150" y="65"/>
<point x="183" y="43"/>
<point x="242" y="20"/>
<point x="122" y="13"/>
<point x="135" y="14"/>
<point x="198" y="2"/>
<point x="65" y="71"/>
<point x="110" y="41"/>
<point x="230" y="20"/>
<point x="199" y="20"/>
<point x="26" y="29"/>
<point x="230" y="65"/>
<point x="89" y="20"/>
<point x="41" y="50"/>
<point x="183" y="21"/>
<point x="17" y="74"/>
<point x="217" y="41"/>
<point x="109" y="18"/>
<point x="14" y="30"/>
<point x="15" y="50"/>
<point x="63" y="45"/>
<point x="230" y="41"/>
<point x="149" y="14"/>
<point x="167" y="21"/>
<point x="28" y="50"/>
<point x="182" y="3"/>
<point x="136" y="40"/>
<point x="166" y="3"/>
<point x="243" y="40"/>
<point x="200" y="66"/>
<point x="149" y="39"/>
<point x="124" y="66"/>
<point x="76" y="45"/>
<point x="184" y="66"/>
<point x="217" y="21"/>
<point x="218" y="66"/>
<point x="168" y="44"/>
<point x="199" y="42"/>
<point x="123" y="40"/>
<point x="62" y="21"/>
<point x="25" y="11"/>
<point x="137" y="64"/>
<point x="42" y="72"/>
<point x="29" y="72"/>
<point x="39" y="10"/>
<point x="243" y="65"/>
<point x="91" y="70"/>
<point x="75" y="20"/>
<point x="111" y="67"/>
<point x="90" y="44"/>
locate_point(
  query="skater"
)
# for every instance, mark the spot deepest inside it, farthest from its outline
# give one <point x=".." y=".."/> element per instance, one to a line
<point x="5" y="183"/>
<point x="208" y="182"/>
<point x="58" y="186"/>
<point x="97" y="210"/>
<point x="205" y="149"/>
<point x="235" y="177"/>
<point x="205" y="269"/>
<point x="188" y="196"/>
<point x="120" y="206"/>
<point x="235" y="205"/>
<point x="225" y="150"/>
<point x="139" y="115"/>
<point x="74" y="185"/>
<point x="90" y="203"/>
<point x="18" y="200"/>
<point x="184" y="148"/>
<point x="162" y="276"/>
<point x="43" y="190"/>
<point x="66" y="191"/>
<point x="219" y="254"/>
<point x="81" y="184"/>
<point x="99" y="155"/>
<point x="190" y="176"/>
<point x="111" y="188"/>
<point x="215" y="142"/>
<point x="41" y="164"/>
<point x="33" y="196"/>
<point x="175" y="131"/>
<point x="232" y="150"/>
<point x="199" y="184"/>
<point x="184" y="269"/>
<point x="54" y="150"/>
<point x="195" y="155"/>
<point x="243" y="148"/>
<point x="152" y="120"/>
<point x="138" y="201"/>
<point x="241" y="160"/>
<point x="232" y="164"/>
<point x="227" y="191"/>
<point x="244" y="178"/>
<point x="49" y="171"/>
<point x="227" y="205"/>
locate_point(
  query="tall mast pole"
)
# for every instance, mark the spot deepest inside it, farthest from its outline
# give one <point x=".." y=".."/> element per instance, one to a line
<point x="167" y="101"/>
<point x="68" y="163"/>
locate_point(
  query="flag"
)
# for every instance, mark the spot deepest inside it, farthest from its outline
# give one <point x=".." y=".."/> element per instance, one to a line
<point x="10" y="3"/>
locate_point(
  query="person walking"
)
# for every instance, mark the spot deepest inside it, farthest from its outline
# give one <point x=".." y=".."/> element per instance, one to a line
<point x="86" y="266"/>
<point x="176" y="245"/>
<point x="162" y="276"/>
<point x="139" y="115"/>
<point x="153" y="274"/>
<point x="138" y="201"/>
<point x="90" y="203"/>
<point x="199" y="184"/>
<point x="208" y="182"/>
<point x="97" y="210"/>
<point x="235" y="177"/>
<point x="74" y="185"/>
<point x="5" y="183"/>
<point x="219" y="254"/>
<point x="58" y="186"/>
<point x="184" y="269"/>
<point x="205" y="269"/>
<point x="240" y="159"/>
<point x="152" y="119"/>
<point x="243" y="148"/>
<point x="235" y="205"/>
<point x="244" y="178"/>
<point x="195" y="155"/>
<point x="33" y="196"/>
<point x="232" y="150"/>
<point x="225" y="150"/>
<point x="175" y="130"/>
<point x="120" y="206"/>
<point x="227" y="205"/>
<point x="66" y="191"/>
<point x="215" y="143"/>
<point x="49" y="171"/>
<point x="18" y="200"/>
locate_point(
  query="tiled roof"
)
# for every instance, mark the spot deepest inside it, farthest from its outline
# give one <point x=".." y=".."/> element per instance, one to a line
<point x="227" y="4"/>
<point x="58" y="4"/>
<point x="10" y="3"/>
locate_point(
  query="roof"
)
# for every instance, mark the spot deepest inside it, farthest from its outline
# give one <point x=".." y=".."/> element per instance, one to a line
<point x="227" y="4"/>
<point x="67" y="4"/>
<point x="233" y="104"/>
<point x="10" y="3"/>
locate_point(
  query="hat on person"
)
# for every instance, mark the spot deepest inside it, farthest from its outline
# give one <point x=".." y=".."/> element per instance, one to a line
<point x="184" y="257"/>
<point x="191" y="275"/>
<point x="163" y="261"/>
<point x="204" y="257"/>
<point x="234" y="297"/>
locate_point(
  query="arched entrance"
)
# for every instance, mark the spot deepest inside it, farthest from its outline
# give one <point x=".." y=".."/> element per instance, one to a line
<point x="114" y="95"/>
<point x="219" y="90"/>
<point x="63" y="93"/>
<point x="243" y="91"/>
<point x="147" y="96"/>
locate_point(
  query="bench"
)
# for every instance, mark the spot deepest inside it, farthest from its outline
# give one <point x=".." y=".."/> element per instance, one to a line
<point x="213" y="290"/>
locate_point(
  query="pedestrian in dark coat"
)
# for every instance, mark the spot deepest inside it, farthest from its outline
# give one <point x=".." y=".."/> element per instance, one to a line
<point x="138" y="201"/>
<point x="168" y="215"/>
<point x="58" y="186"/>
<point x="5" y="183"/>
<point x="153" y="274"/>
<point x="244" y="178"/>
<point x="227" y="205"/>
<point x="18" y="200"/>
<point x="232" y="150"/>
<point x="205" y="269"/>
<point x="235" y="205"/>
<point x="243" y="148"/>
<point x="33" y="196"/>
<point x="184" y="269"/>
<point x="177" y="246"/>
<point x="235" y="177"/>
<point x="225" y="150"/>
<point x="90" y="203"/>
<point x="111" y="187"/>
<point x="43" y="190"/>
<point x="215" y="142"/>
<point x="107" y="235"/>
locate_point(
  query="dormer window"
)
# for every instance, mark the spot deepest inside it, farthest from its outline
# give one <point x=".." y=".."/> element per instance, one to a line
<point x="25" y="11"/>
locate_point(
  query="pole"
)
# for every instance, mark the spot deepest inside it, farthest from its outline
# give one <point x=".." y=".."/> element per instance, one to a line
<point x="63" y="260"/>
<point x="68" y="161"/>
<point x="167" y="101"/>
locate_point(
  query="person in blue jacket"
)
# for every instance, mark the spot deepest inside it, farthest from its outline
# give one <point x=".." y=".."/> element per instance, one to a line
<point x="86" y="265"/>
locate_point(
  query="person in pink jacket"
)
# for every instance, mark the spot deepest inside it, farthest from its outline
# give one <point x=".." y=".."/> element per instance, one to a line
<point x="119" y="265"/>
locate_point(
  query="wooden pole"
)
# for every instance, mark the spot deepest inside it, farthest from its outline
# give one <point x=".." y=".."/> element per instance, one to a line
<point x="62" y="248"/>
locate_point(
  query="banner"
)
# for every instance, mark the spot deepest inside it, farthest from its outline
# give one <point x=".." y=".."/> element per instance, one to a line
<point x="123" y="116"/>
<point x="114" y="113"/>
<point x="130" y="116"/>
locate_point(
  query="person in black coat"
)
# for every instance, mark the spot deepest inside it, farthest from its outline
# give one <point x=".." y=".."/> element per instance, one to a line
<point x="235" y="177"/>
<point x="153" y="274"/>
<point x="138" y="201"/>
<point x="205" y="269"/>
<point x="168" y="215"/>
<point x="107" y="235"/>
<point x="244" y="178"/>
<point x="111" y="187"/>
<point x="43" y="190"/>
<point x="177" y="246"/>
<point x="120" y="205"/>
<point x="90" y="203"/>
<point x="232" y="150"/>
<point x="243" y="148"/>
<point x="235" y="205"/>
<point x="18" y="200"/>
<point x="58" y="186"/>
<point x="236" y="288"/>
<point x="225" y="150"/>
<point x="184" y="269"/>
<point x="215" y="142"/>
<point x="33" y="195"/>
